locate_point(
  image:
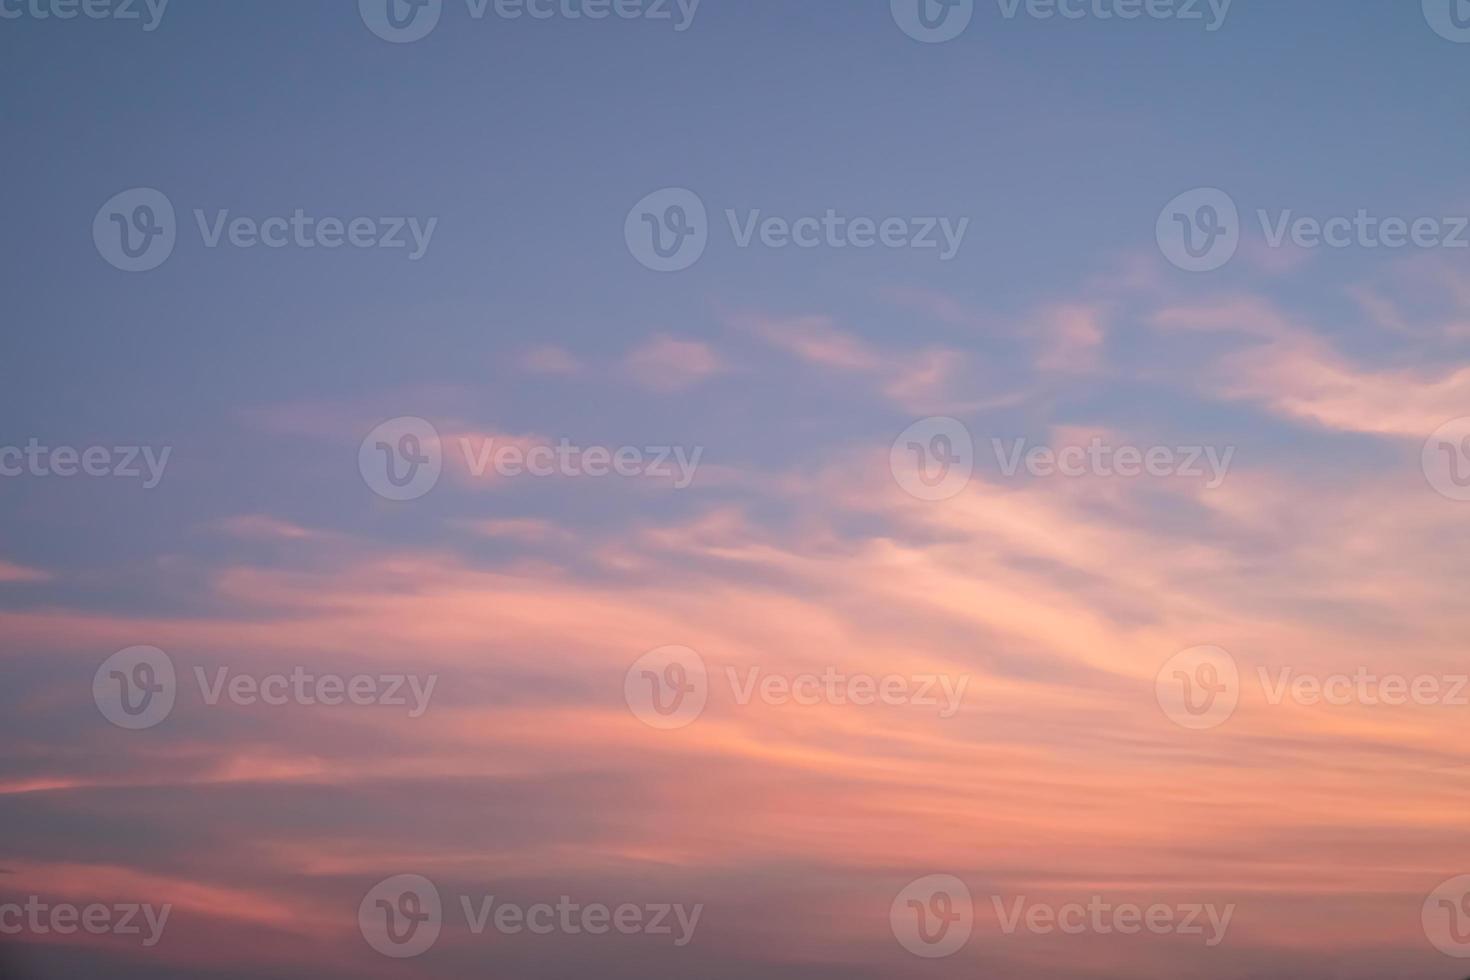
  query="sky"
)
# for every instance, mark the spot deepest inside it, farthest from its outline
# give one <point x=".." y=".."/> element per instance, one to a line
<point x="902" y="489"/>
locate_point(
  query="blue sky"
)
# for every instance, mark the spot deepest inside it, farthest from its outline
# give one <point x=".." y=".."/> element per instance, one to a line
<point x="529" y="140"/>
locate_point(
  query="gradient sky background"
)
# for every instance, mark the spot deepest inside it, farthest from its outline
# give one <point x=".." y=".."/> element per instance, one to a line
<point x="1324" y="550"/>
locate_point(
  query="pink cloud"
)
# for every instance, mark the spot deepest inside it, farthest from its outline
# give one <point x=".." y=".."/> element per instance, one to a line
<point x="929" y="381"/>
<point x="815" y="340"/>
<point x="1071" y="338"/>
<point x="10" y="572"/>
<point x="1301" y="376"/>
<point x="524" y="530"/>
<point x="263" y="526"/>
<point x="550" y="360"/>
<point x="667" y="364"/>
<point x="1059" y="614"/>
